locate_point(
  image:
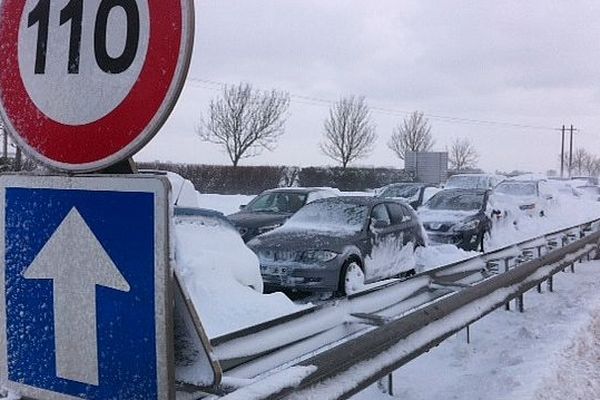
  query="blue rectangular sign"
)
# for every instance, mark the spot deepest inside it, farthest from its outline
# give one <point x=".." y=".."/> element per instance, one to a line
<point x="84" y="287"/>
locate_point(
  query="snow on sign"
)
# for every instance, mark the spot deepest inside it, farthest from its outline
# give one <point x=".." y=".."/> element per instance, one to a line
<point x="84" y="306"/>
<point x="85" y="84"/>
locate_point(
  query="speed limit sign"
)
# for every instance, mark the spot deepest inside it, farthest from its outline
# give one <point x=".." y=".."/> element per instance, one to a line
<point x="86" y="83"/>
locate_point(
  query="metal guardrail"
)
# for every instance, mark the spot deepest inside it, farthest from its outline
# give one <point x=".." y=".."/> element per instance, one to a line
<point x="390" y="324"/>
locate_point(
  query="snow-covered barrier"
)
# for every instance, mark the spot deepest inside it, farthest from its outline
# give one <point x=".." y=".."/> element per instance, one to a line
<point x="343" y="347"/>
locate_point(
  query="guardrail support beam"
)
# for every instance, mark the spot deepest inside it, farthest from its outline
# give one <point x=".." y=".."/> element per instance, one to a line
<point x="520" y="303"/>
<point x="506" y="268"/>
<point x="468" y="334"/>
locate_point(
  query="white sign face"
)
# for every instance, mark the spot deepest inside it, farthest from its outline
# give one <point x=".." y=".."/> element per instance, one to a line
<point x="74" y="285"/>
<point x="94" y="51"/>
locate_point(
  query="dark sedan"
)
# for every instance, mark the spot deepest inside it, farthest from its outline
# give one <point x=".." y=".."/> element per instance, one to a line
<point x="415" y="194"/>
<point x="458" y="216"/>
<point x="271" y="208"/>
<point x="339" y="244"/>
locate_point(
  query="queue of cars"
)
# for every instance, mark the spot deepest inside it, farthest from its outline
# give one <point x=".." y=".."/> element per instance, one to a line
<point x="315" y="239"/>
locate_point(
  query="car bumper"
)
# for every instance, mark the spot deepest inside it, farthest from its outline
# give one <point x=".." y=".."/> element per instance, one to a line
<point x="282" y="276"/>
<point x="468" y="240"/>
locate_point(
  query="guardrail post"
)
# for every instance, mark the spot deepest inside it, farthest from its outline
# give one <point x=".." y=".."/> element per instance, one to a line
<point x="520" y="303"/>
<point x="551" y="284"/>
<point x="539" y="286"/>
<point x="468" y="334"/>
<point x="573" y="267"/>
<point x="390" y="384"/>
<point x="506" y="268"/>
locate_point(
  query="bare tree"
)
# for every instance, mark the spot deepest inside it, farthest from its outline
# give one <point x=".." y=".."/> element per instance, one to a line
<point x="349" y="132"/>
<point x="581" y="159"/>
<point x="462" y="155"/>
<point x="591" y="166"/>
<point x="245" y="121"/>
<point x="414" y="134"/>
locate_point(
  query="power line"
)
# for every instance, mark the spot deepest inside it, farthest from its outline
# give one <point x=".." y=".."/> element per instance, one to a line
<point x="315" y="101"/>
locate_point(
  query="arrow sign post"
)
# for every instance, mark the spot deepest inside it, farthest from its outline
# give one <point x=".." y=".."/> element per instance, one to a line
<point x="85" y="298"/>
<point x="83" y="265"/>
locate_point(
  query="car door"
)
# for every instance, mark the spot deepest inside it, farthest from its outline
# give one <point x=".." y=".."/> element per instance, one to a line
<point x="381" y="234"/>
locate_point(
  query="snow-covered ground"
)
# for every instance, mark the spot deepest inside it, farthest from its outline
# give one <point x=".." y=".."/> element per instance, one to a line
<point x="550" y="352"/>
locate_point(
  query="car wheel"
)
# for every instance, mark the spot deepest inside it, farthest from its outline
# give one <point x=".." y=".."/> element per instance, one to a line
<point x="352" y="278"/>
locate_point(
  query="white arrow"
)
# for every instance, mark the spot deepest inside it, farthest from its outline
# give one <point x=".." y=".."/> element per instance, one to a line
<point x="76" y="262"/>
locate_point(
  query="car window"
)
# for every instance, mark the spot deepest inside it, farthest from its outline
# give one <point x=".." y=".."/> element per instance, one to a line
<point x="320" y="194"/>
<point x="408" y="191"/>
<point x="408" y="213"/>
<point x="278" y="202"/>
<point x="396" y="213"/>
<point x="380" y="213"/>
<point x="428" y="193"/>
<point x="457" y="201"/>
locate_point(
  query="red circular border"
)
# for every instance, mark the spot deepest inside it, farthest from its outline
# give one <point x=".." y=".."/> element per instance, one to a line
<point x="69" y="145"/>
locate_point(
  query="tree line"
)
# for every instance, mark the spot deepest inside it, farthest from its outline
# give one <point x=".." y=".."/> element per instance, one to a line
<point x="245" y="122"/>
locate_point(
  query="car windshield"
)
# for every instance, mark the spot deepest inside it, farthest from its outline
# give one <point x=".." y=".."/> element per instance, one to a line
<point x="516" y="189"/>
<point x="456" y="201"/>
<point x="467" y="182"/>
<point x="329" y="216"/>
<point x="277" y="202"/>
<point x="403" y="191"/>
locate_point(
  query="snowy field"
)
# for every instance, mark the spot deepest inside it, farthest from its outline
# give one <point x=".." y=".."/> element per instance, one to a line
<point x="550" y="352"/>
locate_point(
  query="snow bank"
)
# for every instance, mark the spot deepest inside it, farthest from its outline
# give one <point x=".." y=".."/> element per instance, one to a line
<point x="218" y="270"/>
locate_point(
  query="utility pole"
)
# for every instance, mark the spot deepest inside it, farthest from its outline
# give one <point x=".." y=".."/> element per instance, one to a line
<point x="571" y="150"/>
<point x="562" y="153"/>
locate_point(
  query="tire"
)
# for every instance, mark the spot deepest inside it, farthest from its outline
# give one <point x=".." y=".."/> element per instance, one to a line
<point x="352" y="278"/>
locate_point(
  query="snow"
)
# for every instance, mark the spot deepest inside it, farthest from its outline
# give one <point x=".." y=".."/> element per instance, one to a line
<point x="287" y="378"/>
<point x="218" y="270"/>
<point x="550" y="352"/>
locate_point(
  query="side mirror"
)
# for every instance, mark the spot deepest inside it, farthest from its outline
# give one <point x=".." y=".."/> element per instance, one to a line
<point x="242" y="206"/>
<point x="406" y="218"/>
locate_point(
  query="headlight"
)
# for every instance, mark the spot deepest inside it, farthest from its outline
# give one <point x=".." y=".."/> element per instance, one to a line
<point x="315" y="256"/>
<point x="466" y="226"/>
<point x="267" y="228"/>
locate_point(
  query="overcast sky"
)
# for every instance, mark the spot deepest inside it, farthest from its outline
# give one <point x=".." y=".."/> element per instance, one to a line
<point x="534" y="62"/>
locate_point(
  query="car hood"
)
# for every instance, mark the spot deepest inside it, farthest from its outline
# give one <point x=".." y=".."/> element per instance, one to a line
<point x="303" y="239"/>
<point x="444" y="216"/>
<point x="257" y="219"/>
